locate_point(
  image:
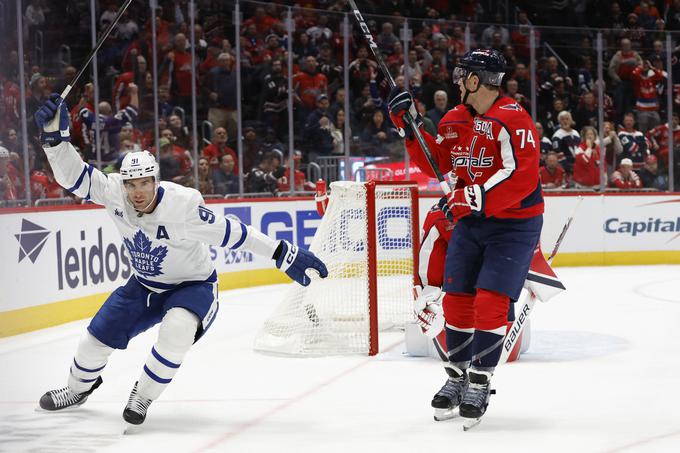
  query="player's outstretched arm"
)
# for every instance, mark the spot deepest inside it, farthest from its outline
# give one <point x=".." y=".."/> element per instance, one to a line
<point x="69" y="170"/>
<point x="298" y="264"/>
<point x="203" y="225"/>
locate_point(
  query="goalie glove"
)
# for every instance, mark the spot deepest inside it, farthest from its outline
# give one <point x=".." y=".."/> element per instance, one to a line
<point x="298" y="263"/>
<point x="427" y="309"/>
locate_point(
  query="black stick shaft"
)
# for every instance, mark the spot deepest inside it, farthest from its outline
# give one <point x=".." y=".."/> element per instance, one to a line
<point x="96" y="48"/>
<point x="386" y="72"/>
<point x="564" y="230"/>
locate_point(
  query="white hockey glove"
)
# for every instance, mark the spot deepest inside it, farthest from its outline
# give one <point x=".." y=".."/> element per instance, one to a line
<point x="427" y="309"/>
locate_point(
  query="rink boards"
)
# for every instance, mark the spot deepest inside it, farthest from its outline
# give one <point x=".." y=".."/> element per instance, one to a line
<point x="60" y="264"/>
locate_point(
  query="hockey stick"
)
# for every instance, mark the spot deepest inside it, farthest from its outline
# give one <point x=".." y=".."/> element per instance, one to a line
<point x="94" y="50"/>
<point x="529" y="300"/>
<point x="390" y="80"/>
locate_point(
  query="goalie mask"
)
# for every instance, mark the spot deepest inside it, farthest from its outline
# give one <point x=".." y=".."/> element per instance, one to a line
<point x="138" y="165"/>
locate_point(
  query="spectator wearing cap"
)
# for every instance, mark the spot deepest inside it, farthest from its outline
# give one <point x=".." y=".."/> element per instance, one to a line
<point x="218" y="148"/>
<point x="224" y="178"/>
<point x="620" y="70"/>
<point x="566" y="141"/>
<point x="635" y="144"/>
<point x="7" y="189"/>
<point x="625" y="177"/>
<point x="649" y="174"/>
<point x="221" y="86"/>
<point x="587" y="161"/>
<point x="552" y="174"/>
<point x="308" y="85"/>
<point x="645" y="79"/>
<point x="440" y="107"/>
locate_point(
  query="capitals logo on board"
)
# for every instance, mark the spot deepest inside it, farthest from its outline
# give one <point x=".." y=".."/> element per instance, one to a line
<point x="145" y="260"/>
<point x="31" y="239"/>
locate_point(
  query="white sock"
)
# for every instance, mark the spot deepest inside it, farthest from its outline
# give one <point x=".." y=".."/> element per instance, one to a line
<point x="88" y="363"/>
<point x="175" y="337"/>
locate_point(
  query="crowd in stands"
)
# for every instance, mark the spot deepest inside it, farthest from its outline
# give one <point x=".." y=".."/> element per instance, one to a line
<point x="634" y="146"/>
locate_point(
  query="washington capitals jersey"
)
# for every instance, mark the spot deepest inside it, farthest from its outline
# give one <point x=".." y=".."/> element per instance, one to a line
<point x="498" y="150"/>
<point x="168" y="246"/>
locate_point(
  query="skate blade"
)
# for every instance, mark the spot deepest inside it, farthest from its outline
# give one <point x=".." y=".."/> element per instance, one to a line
<point x="469" y="423"/>
<point x="441" y="415"/>
<point x="131" y="429"/>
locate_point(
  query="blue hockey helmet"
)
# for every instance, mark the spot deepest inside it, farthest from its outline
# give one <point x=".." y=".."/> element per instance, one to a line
<point x="487" y="64"/>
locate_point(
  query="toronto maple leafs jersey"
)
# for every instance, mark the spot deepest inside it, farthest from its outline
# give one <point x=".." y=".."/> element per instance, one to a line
<point x="498" y="150"/>
<point x="168" y="246"/>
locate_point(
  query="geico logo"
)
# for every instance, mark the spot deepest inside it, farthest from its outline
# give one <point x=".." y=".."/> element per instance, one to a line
<point x="393" y="230"/>
<point x="91" y="264"/>
<point x="614" y="225"/>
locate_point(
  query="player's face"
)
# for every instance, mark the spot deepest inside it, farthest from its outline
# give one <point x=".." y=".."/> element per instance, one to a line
<point x="140" y="191"/>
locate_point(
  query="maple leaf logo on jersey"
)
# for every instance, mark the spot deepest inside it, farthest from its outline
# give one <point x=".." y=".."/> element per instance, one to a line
<point x="145" y="260"/>
<point x="516" y="107"/>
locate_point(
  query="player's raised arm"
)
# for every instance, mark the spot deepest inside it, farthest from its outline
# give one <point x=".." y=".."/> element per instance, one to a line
<point x="202" y="224"/>
<point x="70" y="171"/>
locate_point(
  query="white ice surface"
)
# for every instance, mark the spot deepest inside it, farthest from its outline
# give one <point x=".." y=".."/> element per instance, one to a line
<point x="602" y="375"/>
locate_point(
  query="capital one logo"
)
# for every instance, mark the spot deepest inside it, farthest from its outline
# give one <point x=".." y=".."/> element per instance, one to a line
<point x="31" y="240"/>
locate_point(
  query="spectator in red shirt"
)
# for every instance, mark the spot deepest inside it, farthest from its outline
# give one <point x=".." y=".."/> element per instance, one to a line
<point x="645" y="79"/>
<point x="308" y="86"/>
<point x="43" y="184"/>
<point x="659" y="137"/>
<point x="218" y="148"/>
<point x="552" y="174"/>
<point x="178" y="65"/>
<point x="625" y="177"/>
<point x="301" y="184"/>
<point x="261" y="20"/>
<point x="587" y="160"/>
<point x="621" y="68"/>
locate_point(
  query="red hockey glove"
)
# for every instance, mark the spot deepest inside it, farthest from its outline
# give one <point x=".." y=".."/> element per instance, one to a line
<point x="399" y="103"/>
<point x="466" y="201"/>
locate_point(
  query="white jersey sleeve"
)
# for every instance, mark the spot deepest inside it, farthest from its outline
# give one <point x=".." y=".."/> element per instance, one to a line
<point x="203" y="225"/>
<point x="76" y="176"/>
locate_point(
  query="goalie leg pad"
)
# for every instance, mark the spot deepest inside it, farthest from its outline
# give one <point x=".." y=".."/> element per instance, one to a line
<point x="175" y="337"/>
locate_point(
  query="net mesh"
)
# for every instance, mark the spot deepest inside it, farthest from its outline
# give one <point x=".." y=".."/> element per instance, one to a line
<point x="331" y="315"/>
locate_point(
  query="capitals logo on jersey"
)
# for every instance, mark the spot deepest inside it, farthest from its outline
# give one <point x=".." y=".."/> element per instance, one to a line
<point x="145" y="260"/>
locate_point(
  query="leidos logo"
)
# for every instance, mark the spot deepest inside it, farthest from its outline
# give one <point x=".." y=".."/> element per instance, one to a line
<point x="31" y="240"/>
<point x="88" y="263"/>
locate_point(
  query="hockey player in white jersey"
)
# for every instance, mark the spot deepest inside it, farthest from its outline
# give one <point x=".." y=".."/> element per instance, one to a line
<point x="166" y="229"/>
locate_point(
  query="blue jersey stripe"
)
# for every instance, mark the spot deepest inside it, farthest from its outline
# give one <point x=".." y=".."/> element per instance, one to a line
<point x="79" y="181"/>
<point x="244" y="233"/>
<point x="155" y="377"/>
<point x="227" y="233"/>
<point x="162" y="359"/>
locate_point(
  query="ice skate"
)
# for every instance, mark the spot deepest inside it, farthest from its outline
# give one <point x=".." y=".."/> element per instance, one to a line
<point x="476" y="398"/>
<point x="449" y="397"/>
<point x="65" y="398"/>
<point x="135" y="410"/>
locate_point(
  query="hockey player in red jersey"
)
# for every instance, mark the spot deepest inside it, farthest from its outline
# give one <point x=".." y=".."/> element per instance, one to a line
<point x="498" y="204"/>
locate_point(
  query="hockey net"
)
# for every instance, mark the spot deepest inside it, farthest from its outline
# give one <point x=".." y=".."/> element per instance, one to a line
<point x="368" y="239"/>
